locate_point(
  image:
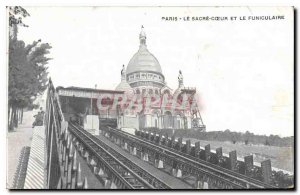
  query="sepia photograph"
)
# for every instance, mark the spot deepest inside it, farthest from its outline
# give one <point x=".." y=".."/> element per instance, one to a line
<point x="150" y="98"/>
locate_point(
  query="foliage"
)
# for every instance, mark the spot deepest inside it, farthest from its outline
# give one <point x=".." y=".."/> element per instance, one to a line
<point x="16" y="15"/>
<point x="27" y="71"/>
<point x="227" y="135"/>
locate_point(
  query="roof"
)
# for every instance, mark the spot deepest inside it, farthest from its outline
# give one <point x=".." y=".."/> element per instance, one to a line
<point x="143" y="60"/>
<point x="123" y="86"/>
<point x="88" y="89"/>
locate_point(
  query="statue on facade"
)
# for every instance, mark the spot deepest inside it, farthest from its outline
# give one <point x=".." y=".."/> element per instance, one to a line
<point x="180" y="79"/>
<point x="123" y="72"/>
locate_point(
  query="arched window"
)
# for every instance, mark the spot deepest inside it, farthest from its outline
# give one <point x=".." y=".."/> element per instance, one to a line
<point x="150" y="91"/>
<point x="168" y="120"/>
<point x="178" y="122"/>
<point x="166" y="91"/>
<point x="179" y="98"/>
<point x="154" y="118"/>
<point x="138" y="91"/>
<point x="156" y="92"/>
<point x="143" y="91"/>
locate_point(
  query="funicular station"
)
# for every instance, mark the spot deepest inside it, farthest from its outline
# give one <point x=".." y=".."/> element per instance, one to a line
<point x="116" y="139"/>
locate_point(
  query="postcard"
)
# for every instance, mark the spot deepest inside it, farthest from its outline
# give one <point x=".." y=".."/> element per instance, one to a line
<point x="144" y="98"/>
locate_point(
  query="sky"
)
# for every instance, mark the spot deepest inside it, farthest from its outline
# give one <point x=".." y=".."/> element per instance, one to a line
<point x="243" y="70"/>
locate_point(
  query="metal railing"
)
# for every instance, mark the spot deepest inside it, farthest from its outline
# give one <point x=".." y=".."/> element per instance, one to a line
<point x="226" y="178"/>
<point x="65" y="142"/>
<point x="61" y="163"/>
<point x="120" y="170"/>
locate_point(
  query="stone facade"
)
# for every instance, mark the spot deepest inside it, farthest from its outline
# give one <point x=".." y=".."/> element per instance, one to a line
<point x="144" y="79"/>
<point x="141" y="100"/>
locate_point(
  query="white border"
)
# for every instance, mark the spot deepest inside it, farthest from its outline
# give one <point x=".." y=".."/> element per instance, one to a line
<point x="295" y="3"/>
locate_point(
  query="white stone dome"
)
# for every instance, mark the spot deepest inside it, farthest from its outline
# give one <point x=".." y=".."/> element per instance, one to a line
<point x="143" y="60"/>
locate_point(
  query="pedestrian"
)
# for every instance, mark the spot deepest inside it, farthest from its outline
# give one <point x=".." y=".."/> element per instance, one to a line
<point x="39" y="118"/>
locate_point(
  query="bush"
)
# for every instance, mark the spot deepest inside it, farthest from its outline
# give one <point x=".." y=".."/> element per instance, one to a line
<point x="227" y="135"/>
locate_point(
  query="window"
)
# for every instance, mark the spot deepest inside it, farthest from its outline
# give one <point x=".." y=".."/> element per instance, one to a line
<point x="168" y="120"/>
<point x="167" y="92"/>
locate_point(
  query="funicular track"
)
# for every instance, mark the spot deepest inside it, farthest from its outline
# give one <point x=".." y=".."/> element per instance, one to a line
<point x="140" y="179"/>
<point x="132" y="176"/>
<point x="236" y="180"/>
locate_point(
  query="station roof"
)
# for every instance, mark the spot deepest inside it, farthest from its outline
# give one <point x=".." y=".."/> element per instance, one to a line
<point x="72" y="88"/>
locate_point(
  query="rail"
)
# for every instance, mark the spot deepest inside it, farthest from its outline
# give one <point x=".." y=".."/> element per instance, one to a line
<point x="142" y="179"/>
<point x="231" y="178"/>
<point x="64" y="142"/>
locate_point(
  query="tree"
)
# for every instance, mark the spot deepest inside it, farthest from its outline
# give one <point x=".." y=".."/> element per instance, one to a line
<point x="27" y="69"/>
<point x="16" y="14"/>
<point x="246" y="137"/>
<point x="267" y="143"/>
<point x="233" y="137"/>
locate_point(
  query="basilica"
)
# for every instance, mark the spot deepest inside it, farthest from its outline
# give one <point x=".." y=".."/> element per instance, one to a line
<point x="143" y="99"/>
<point x="143" y="78"/>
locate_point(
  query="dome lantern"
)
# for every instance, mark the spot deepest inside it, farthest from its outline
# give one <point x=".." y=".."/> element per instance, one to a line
<point x="142" y="37"/>
<point x="143" y="60"/>
<point x="144" y="72"/>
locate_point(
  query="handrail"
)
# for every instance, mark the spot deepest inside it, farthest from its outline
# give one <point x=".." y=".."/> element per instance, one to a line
<point x="85" y="133"/>
<point x="126" y="183"/>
